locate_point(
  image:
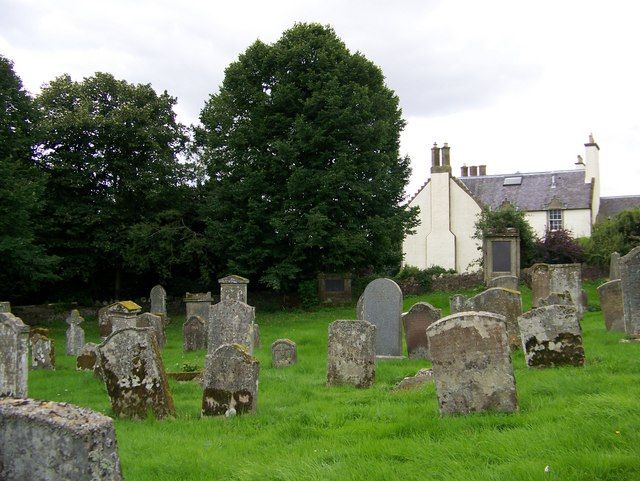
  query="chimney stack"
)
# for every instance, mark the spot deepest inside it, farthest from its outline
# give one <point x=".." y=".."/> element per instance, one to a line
<point x="445" y="155"/>
<point x="482" y="170"/>
<point x="464" y="171"/>
<point x="440" y="161"/>
<point x="473" y="171"/>
<point x="435" y="155"/>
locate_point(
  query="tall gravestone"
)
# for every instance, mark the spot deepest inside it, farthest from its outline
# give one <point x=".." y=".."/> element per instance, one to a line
<point x="134" y="375"/>
<point x="284" y="352"/>
<point x="231" y="322"/>
<point x="501" y="254"/>
<point x="630" y="284"/>
<point x="610" y="295"/>
<point x="551" y="336"/>
<point x="230" y="381"/>
<point x="47" y="441"/>
<point x="74" y="334"/>
<point x="5" y="306"/>
<point x="614" y="266"/>
<point x="198" y="304"/>
<point x="14" y="348"/>
<point x="233" y="288"/>
<point x="158" y="298"/>
<point x="382" y="307"/>
<point x="42" y="352"/>
<point x="156" y="324"/>
<point x="194" y="334"/>
<point x="416" y="321"/>
<point x="506" y="282"/>
<point x="351" y="357"/>
<point x="548" y="278"/>
<point x="471" y="363"/>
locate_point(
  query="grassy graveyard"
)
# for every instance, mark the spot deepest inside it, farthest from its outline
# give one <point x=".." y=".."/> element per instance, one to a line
<point x="582" y="422"/>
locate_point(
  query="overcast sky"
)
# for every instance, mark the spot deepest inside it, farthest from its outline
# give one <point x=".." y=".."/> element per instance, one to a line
<point x="515" y="85"/>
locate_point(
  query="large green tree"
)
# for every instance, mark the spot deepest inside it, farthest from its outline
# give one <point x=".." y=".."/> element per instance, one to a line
<point x="301" y="146"/>
<point x="25" y="265"/>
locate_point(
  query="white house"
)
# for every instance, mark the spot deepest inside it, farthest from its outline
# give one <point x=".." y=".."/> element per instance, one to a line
<point x="449" y="206"/>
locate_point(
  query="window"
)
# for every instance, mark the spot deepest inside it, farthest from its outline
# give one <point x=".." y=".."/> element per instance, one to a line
<point x="555" y="219"/>
<point x="512" y="181"/>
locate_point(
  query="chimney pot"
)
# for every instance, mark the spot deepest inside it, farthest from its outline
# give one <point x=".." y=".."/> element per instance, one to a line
<point x="464" y="171"/>
<point x="473" y="171"/>
<point x="482" y="170"/>
<point x="435" y="155"/>
<point x="445" y="154"/>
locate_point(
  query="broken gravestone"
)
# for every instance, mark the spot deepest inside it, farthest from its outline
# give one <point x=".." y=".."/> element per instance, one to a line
<point x="351" y="357"/>
<point x="471" y="363"/>
<point x="630" y="284"/>
<point x="382" y="307"/>
<point x="231" y="322"/>
<point x="551" y="336"/>
<point x="506" y="282"/>
<point x="230" y="381"/>
<point x="420" y="316"/>
<point x="422" y="377"/>
<point x="74" y="334"/>
<point x="194" y="334"/>
<point x="44" y="440"/>
<point x="42" y="352"/>
<point x="233" y="288"/>
<point x="87" y="357"/>
<point x="283" y="353"/>
<point x="610" y="295"/>
<point x="134" y="375"/>
<point x="156" y="324"/>
<point x="14" y="338"/>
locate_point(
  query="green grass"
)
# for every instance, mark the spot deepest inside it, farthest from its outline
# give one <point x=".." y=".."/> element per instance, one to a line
<point x="583" y="422"/>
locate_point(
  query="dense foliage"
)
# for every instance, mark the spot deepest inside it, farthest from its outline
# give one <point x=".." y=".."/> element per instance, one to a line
<point x="559" y="247"/>
<point x="619" y="234"/>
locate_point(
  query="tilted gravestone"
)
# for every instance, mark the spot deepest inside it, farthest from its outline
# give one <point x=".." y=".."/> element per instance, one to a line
<point x="14" y="348"/>
<point x="5" y="306"/>
<point x="74" y="334"/>
<point x="351" y="357"/>
<point x="284" y="353"/>
<point x="610" y="295"/>
<point x="614" y="266"/>
<point x="194" y="334"/>
<point x="87" y="357"/>
<point x="382" y="307"/>
<point x="415" y="322"/>
<point x="42" y="352"/>
<point x="471" y="363"/>
<point x="134" y="375"/>
<point x="44" y="440"/>
<point x="198" y="304"/>
<point x="630" y="284"/>
<point x="156" y="324"/>
<point x="551" y="336"/>
<point x="231" y="322"/>
<point x="506" y="282"/>
<point x="230" y="381"/>
<point x="234" y="288"/>
<point x="548" y="278"/>
<point x="158" y="297"/>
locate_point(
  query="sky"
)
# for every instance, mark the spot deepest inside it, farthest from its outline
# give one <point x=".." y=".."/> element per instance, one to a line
<point x="515" y="85"/>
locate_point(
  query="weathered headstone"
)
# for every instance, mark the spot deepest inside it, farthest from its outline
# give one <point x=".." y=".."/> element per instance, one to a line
<point x="382" y="307"/>
<point x="359" y="308"/>
<point x="231" y="322"/>
<point x="422" y="377"/>
<point x="234" y="288"/>
<point x="42" y="352"/>
<point x="556" y="299"/>
<point x="158" y="297"/>
<point x="506" y="282"/>
<point x="14" y="348"/>
<point x="46" y="441"/>
<point x="155" y="323"/>
<point x="198" y="304"/>
<point x="551" y="336"/>
<point x="284" y="353"/>
<point x="123" y="315"/>
<point x="87" y="357"/>
<point x="630" y="284"/>
<point x="472" y="363"/>
<point x="610" y="295"/>
<point x="134" y="374"/>
<point x="500" y="253"/>
<point x="230" y="381"/>
<point x="256" y="336"/>
<point x="104" y="322"/>
<point x="614" y="266"/>
<point x="457" y="303"/>
<point x="415" y="321"/>
<point x="351" y="357"/>
<point x="548" y="278"/>
<point x="5" y="306"/>
<point x="74" y="334"/>
<point x="194" y="334"/>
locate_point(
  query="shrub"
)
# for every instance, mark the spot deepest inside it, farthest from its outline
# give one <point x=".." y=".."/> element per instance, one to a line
<point x="559" y="247"/>
<point x="420" y="278"/>
<point x="308" y="294"/>
<point x="620" y="234"/>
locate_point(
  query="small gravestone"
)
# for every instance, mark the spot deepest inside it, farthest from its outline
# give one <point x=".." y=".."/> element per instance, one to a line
<point x="471" y="363"/>
<point x="5" y="306"/>
<point x="14" y="348"/>
<point x="457" y="303"/>
<point x="44" y="440"/>
<point x="231" y="322"/>
<point x="610" y="295"/>
<point x="506" y="282"/>
<point x="283" y="353"/>
<point x="134" y="375"/>
<point x="630" y="284"/>
<point x="422" y="377"/>
<point x="198" y="304"/>
<point x="158" y="297"/>
<point x="382" y="307"/>
<point x="256" y="336"/>
<point x="74" y="334"/>
<point x="123" y="315"/>
<point x="234" y="288"/>
<point x="155" y="323"/>
<point x="42" y="352"/>
<point x="230" y="381"/>
<point x="194" y="334"/>
<point x="548" y="278"/>
<point x="614" y="266"/>
<point x="351" y="357"/>
<point x="551" y="336"/>
<point x="420" y="316"/>
<point x="87" y="357"/>
<point x="556" y="299"/>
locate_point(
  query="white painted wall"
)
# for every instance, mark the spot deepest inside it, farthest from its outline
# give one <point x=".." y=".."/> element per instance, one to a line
<point x="414" y="246"/>
<point x="441" y="243"/>
<point x="578" y="221"/>
<point x="464" y="214"/>
<point x="592" y="171"/>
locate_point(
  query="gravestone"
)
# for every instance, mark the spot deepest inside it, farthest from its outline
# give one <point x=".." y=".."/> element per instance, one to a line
<point x="334" y="288"/>
<point x="506" y="282"/>
<point x="198" y="304"/>
<point x="104" y="322"/>
<point x="548" y="278"/>
<point x="382" y="307"/>
<point x="194" y="334"/>
<point x="630" y="284"/>
<point x="42" y="352"/>
<point x="422" y="377"/>
<point x="283" y="353"/>
<point x="359" y="308"/>
<point x="471" y="363"/>
<point x="351" y="357"/>
<point x="87" y="357"/>
<point x="158" y="297"/>
<point x="457" y="303"/>
<point x="155" y="323"/>
<point x="556" y="299"/>
<point x="614" y="266"/>
<point x="49" y="441"/>
<point x="74" y="334"/>
<point x="233" y="288"/>
<point x="501" y="254"/>
<point x="610" y="295"/>
<point x="123" y="315"/>
<point x="415" y="322"/>
<point x="14" y="348"/>
<point x="256" y="336"/>
<point x="230" y="381"/>
<point x="5" y="306"/>
<point x="231" y="322"/>
<point x="551" y="336"/>
<point x="134" y="375"/>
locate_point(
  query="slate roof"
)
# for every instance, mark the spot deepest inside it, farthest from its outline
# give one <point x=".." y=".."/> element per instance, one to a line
<point x="535" y="192"/>
<point x="610" y="206"/>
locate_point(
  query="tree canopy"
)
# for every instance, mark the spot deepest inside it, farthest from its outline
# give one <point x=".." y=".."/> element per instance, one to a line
<point x="619" y="234"/>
